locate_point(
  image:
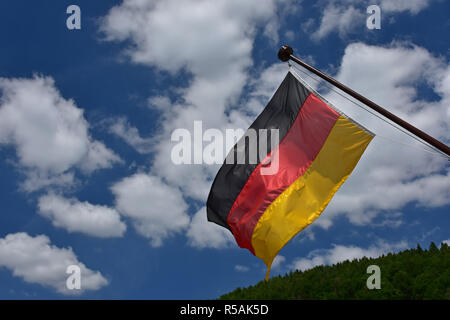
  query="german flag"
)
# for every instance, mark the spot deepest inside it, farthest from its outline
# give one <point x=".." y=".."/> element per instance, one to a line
<point x="317" y="149"/>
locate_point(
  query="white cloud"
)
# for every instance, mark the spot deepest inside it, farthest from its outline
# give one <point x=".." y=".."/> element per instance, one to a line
<point x="428" y="234"/>
<point x="36" y="180"/>
<point x="341" y="253"/>
<point x="306" y="235"/>
<point x="204" y="234"/>
<point x="98" y="156"/>
<point x="447" y="242"/>
<point x="277" y="262"/>
<point x="207" y="28"/>
<point x="122" y="128"/>
<point x="413" y="6"/>
<point x="48" y="132"/>
<point x="393" y="220"/>
<point x="341" y="19"/>
<point x="391" y="175"/>
<point x="159" y="102"/>
<point x="156" y="209"/>
<point x="35" y="260"/>
<point x="345" y="16"/>
<point x="240" y="268"/>
<point x="75" y="216"/>
<point x="289" y="35"/>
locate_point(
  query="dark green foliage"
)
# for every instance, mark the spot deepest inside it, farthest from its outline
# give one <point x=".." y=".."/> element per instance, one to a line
<point x="410" y="274"/>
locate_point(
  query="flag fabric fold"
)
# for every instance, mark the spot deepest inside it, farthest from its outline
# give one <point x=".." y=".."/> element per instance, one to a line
<point x="317" y="149"/>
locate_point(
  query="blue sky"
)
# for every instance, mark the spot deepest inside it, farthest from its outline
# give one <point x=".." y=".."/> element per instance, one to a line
<point x="98" y="188"/>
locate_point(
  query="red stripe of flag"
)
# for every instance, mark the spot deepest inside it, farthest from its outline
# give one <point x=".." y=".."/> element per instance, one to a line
<point x="296" y="152"/>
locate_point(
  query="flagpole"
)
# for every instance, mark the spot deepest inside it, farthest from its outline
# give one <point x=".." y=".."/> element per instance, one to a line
<point x="287" y="53"/>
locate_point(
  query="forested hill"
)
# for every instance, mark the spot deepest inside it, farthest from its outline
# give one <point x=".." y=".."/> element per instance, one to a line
<point x="410" y="274"/>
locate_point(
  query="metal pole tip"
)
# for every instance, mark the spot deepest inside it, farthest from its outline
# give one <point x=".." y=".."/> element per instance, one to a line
<point x="285" y="53"/>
